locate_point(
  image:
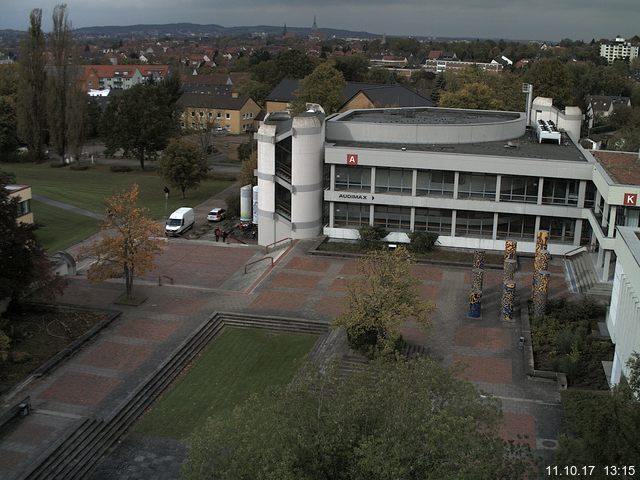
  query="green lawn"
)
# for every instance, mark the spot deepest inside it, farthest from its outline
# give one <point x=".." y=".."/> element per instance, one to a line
<point x="238" y="363"/>
<point x="59" y="228"/>
<point x="89" y="188"/>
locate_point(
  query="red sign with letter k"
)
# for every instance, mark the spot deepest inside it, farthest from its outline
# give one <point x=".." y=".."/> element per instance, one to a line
<point x="352" y="159"/>
<point x="630" y="198"/>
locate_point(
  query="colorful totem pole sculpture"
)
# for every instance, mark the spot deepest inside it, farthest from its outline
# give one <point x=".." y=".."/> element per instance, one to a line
<point x="540" y="295"/>
<point x="540" y="283"/>
<point x="508" y="300"/>
<point x="475" y="295"/>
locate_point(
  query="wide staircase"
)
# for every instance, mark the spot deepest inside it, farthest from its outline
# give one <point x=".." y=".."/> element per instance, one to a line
<point x="73" y="456"/>
<point x="583" y="278"/>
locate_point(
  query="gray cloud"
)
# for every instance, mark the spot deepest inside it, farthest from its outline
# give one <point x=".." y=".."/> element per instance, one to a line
<point x="525" y="19"/>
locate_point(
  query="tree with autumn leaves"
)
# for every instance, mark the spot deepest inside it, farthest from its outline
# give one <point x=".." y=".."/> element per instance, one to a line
<point x="129" y="242"/>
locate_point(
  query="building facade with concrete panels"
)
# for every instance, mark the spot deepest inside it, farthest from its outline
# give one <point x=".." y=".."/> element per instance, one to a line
<point x="476" y="178"/>
<point x="623" y="319"/>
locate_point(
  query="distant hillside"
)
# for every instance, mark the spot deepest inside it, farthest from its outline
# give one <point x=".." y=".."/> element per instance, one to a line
<point x="190" y="29"/>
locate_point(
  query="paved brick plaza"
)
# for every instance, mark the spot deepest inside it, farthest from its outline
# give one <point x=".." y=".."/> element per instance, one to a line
<point x="95" y="380"/>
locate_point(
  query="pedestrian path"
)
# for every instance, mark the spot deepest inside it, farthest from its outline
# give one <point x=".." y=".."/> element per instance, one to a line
<point x="206" y="277"/>
<point x="69" y="208"/>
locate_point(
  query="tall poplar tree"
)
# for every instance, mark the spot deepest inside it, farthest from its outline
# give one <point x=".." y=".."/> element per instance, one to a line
<point x="31" y="88"/>
<point x="66" y="105"/>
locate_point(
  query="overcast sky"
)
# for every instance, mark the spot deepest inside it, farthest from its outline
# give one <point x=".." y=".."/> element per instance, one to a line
<point x="509" y="19"/>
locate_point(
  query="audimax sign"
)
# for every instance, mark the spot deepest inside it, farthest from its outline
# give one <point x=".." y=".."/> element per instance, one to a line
<point x="356" y="196"/>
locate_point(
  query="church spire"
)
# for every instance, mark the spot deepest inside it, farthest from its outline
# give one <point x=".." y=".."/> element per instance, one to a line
<point x="315" y="26"/>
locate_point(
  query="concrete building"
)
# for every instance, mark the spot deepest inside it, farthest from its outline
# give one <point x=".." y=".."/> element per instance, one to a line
<point x="232" y="113"/>
<point x="618" y="49"/>
<point x="623" y="319"/>
<point x="476" y="178"/>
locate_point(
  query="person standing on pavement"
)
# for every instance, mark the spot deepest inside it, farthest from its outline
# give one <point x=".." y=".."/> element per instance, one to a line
<point x="217" y="233"/>
<point x="224" y="236"/>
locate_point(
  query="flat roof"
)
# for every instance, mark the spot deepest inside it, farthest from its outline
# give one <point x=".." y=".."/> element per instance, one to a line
<point x="622" y="167"/>
<point x="427" y="116"/>
<point x="526" y="146"/>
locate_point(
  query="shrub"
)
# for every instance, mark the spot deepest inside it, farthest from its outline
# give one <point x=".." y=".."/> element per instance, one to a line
<point x="120" y="168"/>
<point x="57" y="164"/>
<point x="233" y="204"/>
<point x="422" y="242"/>
<point x="370" y="236"/>
<point x="75" y="166"/>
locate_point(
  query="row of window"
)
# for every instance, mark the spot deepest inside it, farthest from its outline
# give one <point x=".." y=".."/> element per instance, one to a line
<point x="227" y="115"/>
<point x="468" y="223"/>
<point x="440" y="183"/>
<point x="24" y="208"/>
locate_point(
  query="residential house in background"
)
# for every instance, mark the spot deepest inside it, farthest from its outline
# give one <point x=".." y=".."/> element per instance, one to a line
<point x="355" y="94"/>
<point x="231" y="113"/>
<point x="603" y="106"/>
<point x="23" y="194"/>
<point x="120" y="77"/>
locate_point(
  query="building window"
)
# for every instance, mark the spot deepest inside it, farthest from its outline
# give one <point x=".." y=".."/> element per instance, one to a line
<point x="283" y="202"/>
<point x="250" y="114"/>
<point x="218" y="115"/>
<point x="433" y="220"/>
<point x="353" y="215"/>
<point x="227" y="116"/>
<point x="477" y="185"/>
<point x="474" y="224"/>
<point x="392" y="218"/>
<point x="590" y="195"/>
<point x="516" y="226"/>
<point x="435" y="183"/>
<point x="201" y="114"/>
<point x="560" y="191"/>
<point x="353" y="178"/>
<point x="519" y="189"/>
<point x="210" y="114"/>
<point x="394" y="180"/>
<point x="560" y="229"/>
<point x="24" y="208"/>
<point x="193" y="113"/>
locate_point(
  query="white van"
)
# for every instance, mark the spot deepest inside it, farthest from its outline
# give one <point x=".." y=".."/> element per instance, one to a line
<point x="180" y="221"/>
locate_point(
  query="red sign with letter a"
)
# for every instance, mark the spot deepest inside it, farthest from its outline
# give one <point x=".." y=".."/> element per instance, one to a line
<point x="352" y="159"/>
<point x="630" y="198"/>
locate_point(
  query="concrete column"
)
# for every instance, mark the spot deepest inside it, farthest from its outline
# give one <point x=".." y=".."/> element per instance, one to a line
<point x="331" y="214"/>
<point x="453" y="222"/>
<point x="537" y="224"/>
<point x="332" y="180"/>
<point x="456" y="180"/>
<point x="373" y="180"/>
<point x="414" y="184"/>
<point x="612" y="221"/>
<point x="494" y="232"/>
<point x="578" y="232"/>
<point x="582" y="192"/>
<point x="540" y="188"/>
<point x="600" y="256"/>
<point x="371" y="213"/>
<point x="606" y="266"/>
<point x="498" y="186"/>
<point x="605" y="214"/>
<point x="596" y="207"/>
<point x="412" y="221"/>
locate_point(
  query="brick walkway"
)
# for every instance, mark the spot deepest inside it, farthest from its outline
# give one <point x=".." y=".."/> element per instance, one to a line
<point x="95" y="380"/>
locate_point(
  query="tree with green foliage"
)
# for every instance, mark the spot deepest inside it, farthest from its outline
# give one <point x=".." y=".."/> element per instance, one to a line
<point x="550" y="78"/>
<point x="354" y="68"/>
<point x="395" y="419"/>
<point x="140" y="121"/>
<point x="23" y="262"/>
<point x="370" y="236"/>
<point x="380" y="75"/>
<point x="422" y="242"/>
<point x="603" y="428"/>
<point x="183" y="165"/>
<point x="257" y="91"/>
<point x="323" y="86"/>
<point x="381" y="299"/>
<point x="474" y="95"/>
<point x="32" y="100"/>
<point x="8" y="110"/>
<point x="246" y="175"/>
